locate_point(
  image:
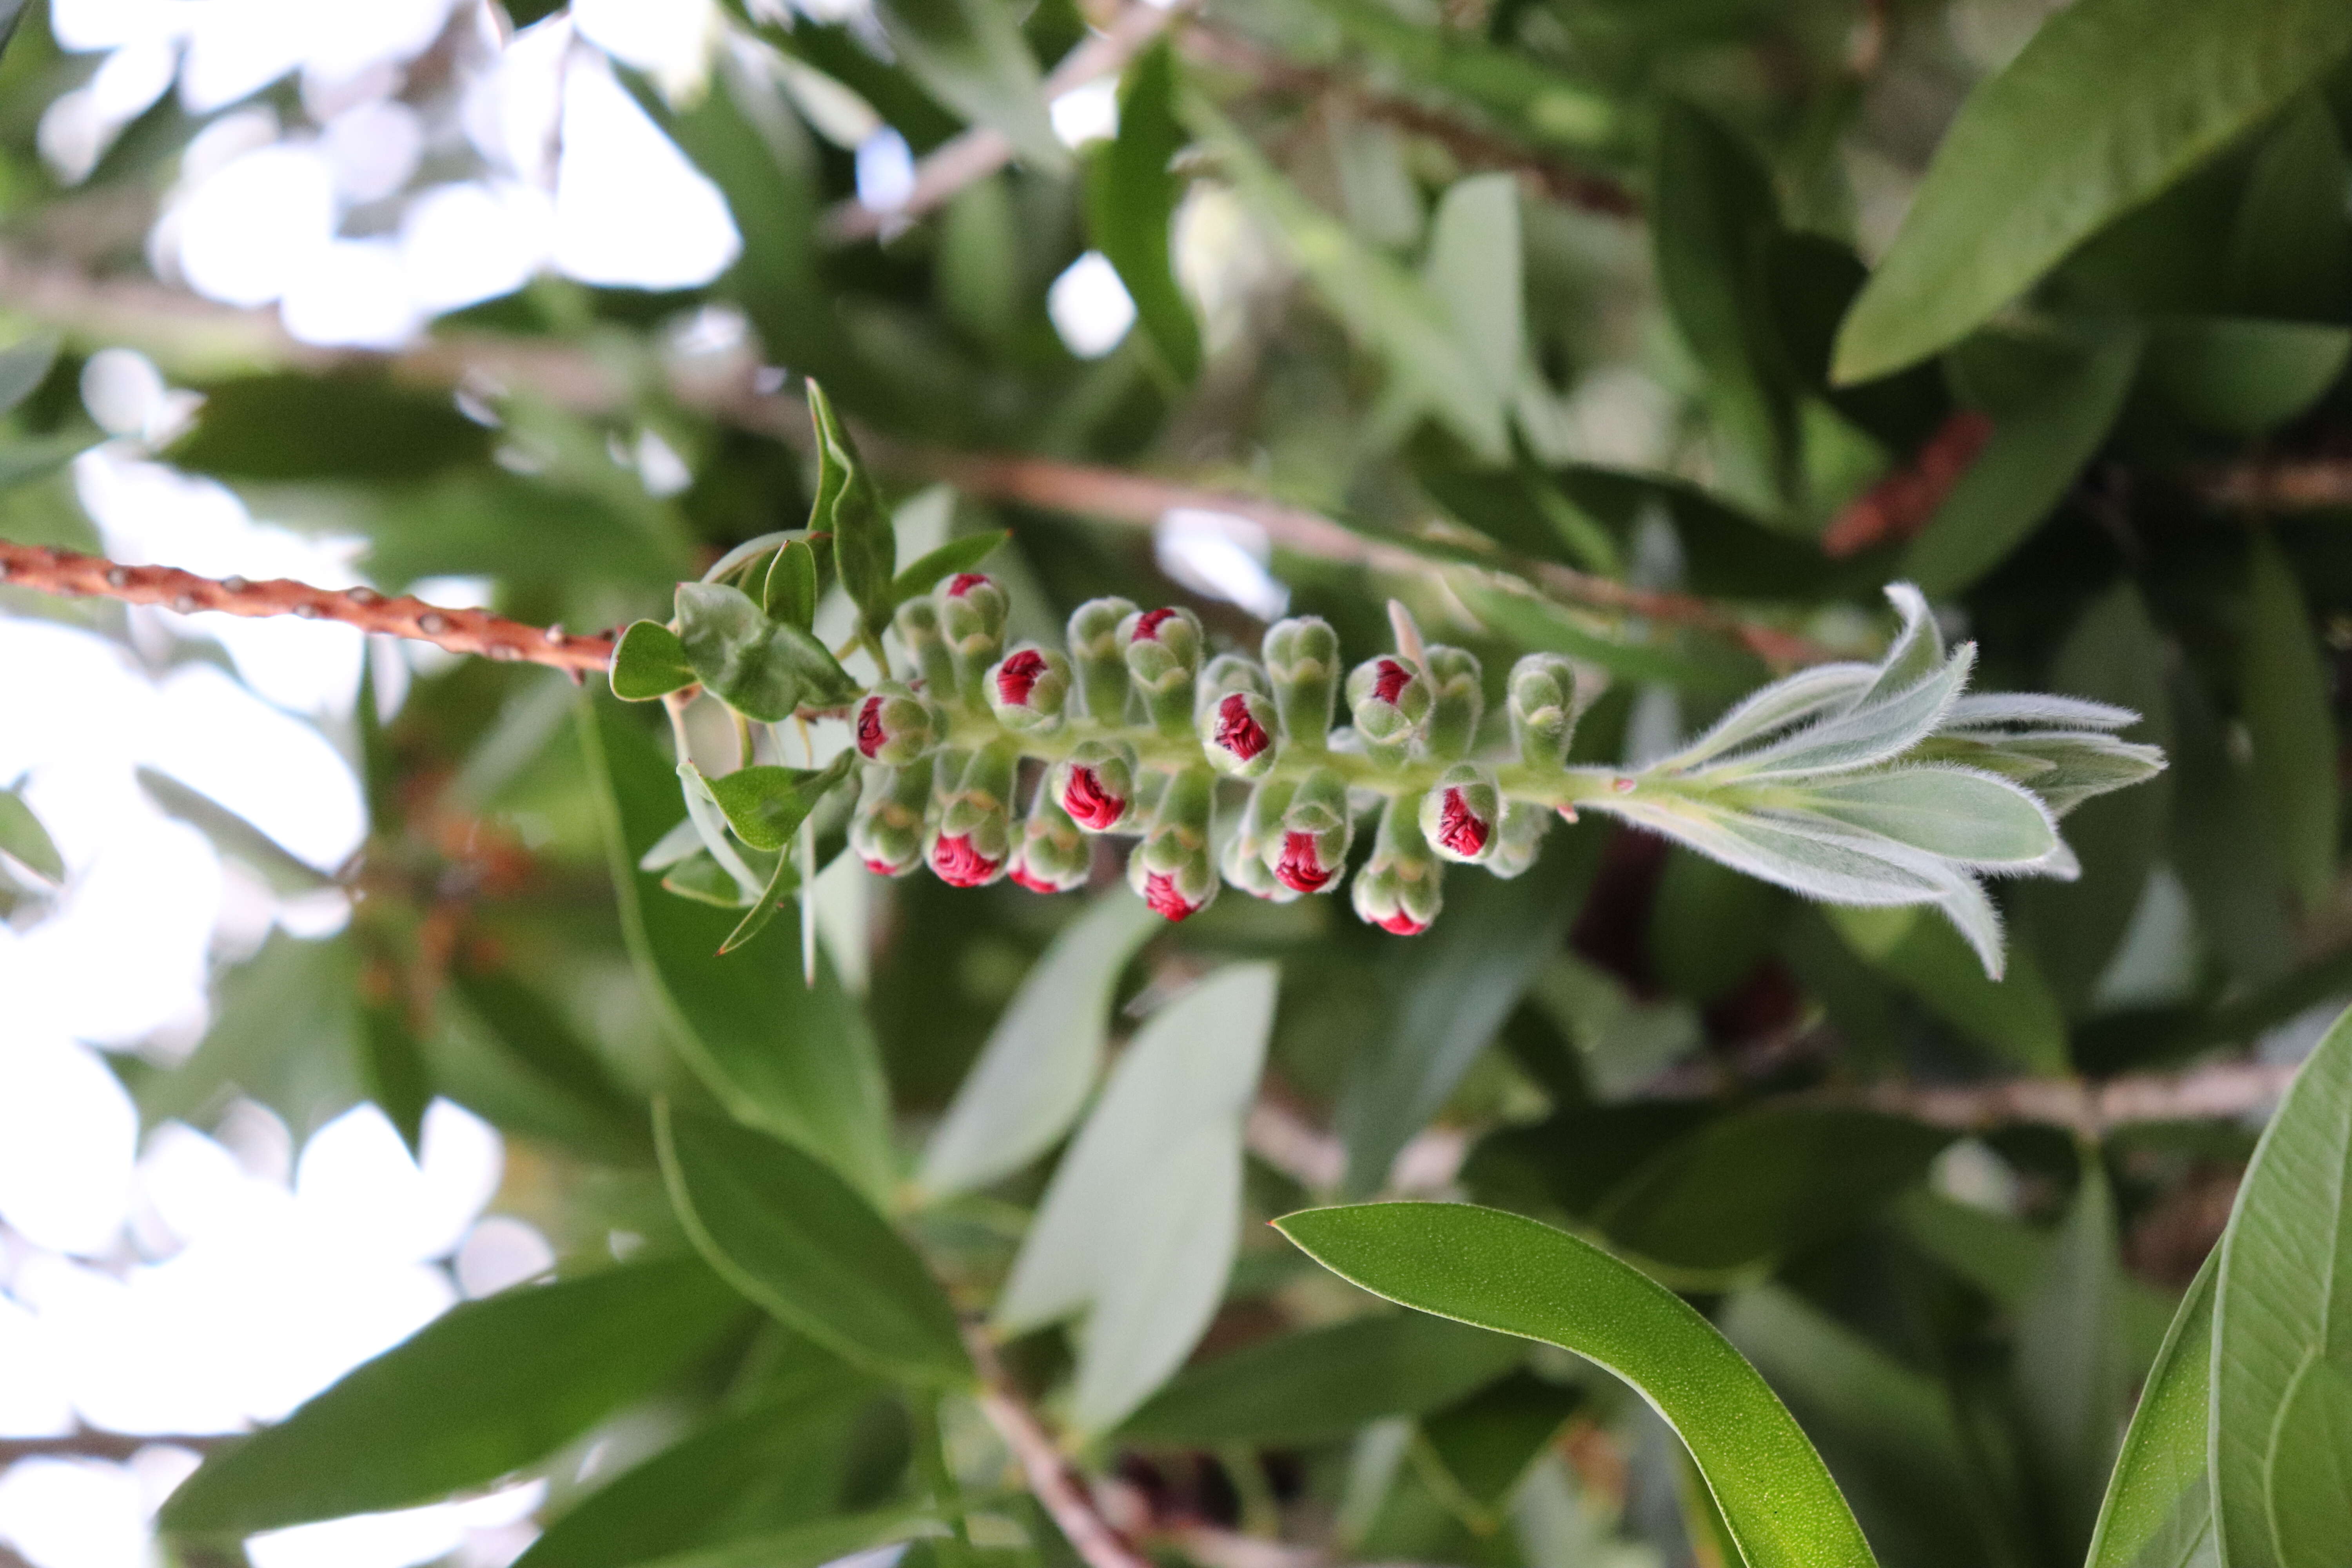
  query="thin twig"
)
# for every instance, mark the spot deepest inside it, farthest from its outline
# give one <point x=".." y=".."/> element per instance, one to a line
<point x="66" y="572"/>
<point x="2309" y="484"/>
<point x="86" y="1443"/>
<point x="1056" y="1483"/>
<point x="978" y="152"/>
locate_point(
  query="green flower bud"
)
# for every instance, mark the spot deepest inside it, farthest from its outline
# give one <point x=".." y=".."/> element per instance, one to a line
<point x="1302" y="656"/>
<point x="886" y="830"/>
<point x="1028" y="689"/>
<point x="1543" y="710"/>
<point x="1399" y="888"/>
<point x="1391" y="703"/>
<point x="1519" y="839"/>
<point x="973" y="838"/>
<point x="896" y="726"/>
<point x="1459" y="817"/>
<point x="1163" y="650"/>
<point x="1096" y="649"/>
<point x="972" y="618"/>
<point x="1247" y="863"/>
<point x="1096" y="784"/>
<point x="1457" y="702"/>
<point x="1053" y="856"/>
<point x="1317" y="829"/>
<point x="918" y="623"/>
<point x="1170" y="869"/>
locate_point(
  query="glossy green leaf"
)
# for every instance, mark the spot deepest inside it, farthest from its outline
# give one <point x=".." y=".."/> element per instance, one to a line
<point x="803" y="1242"/>
<point x="392" y="1066"/>
<point x="1713" y="224"/>
<point x="970" y="54"/>
<point x="2071" y="1372"/>
<point x="2039" y="445"/>
<point x="2015" y="1016"/>
<point x="810" y="1545"/>
<point x="1504" y="1272"/>
<point x="2159" y="1496"/>
<point x="795" y="1060"/>
<point x="1474" y="269"/>
<point x="2281" y="1404"/>
<point x="24" y="840"/>
<point x="25" y="363"/>
<point x="849" y="508"/>
<point x="1140" y="1227"/>
<point x="936" y="566"/>
<point x="765" y="805"/>
<point x="1132" y="196"/>
<point x="2111" y="102"/>
<point x="1539" y="102"/>
<point x="2291" y="251"/>
<point x="285" y="1032"/>
<point x="482" y="1390"/>
<point x="763" y="669"/>
<point x="788" y="589"/>
<point x="1033" y="1077"/>
<point x="648" y="662"/>
<point x="354" y="426"/>
<point x="1754" y="1186"/>
<point x="1445" y="994"/>
<point x="531" y="1028"/>
<point x="2283" y="692"/>
<point x="1320" y="1384"/>
<point x="1486" y="1442"/>
<point x="2240" y="377"/>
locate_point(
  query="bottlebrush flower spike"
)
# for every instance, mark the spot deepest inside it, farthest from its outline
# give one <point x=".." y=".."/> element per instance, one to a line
<point x="1027" y="689"/>
<point x="1459" y="817"/>
<point x="1096" y="784"/>
<point x="895" y="727"/>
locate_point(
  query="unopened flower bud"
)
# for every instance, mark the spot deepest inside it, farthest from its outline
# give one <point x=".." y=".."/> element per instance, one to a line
<point x="974" y="836"/>
<point x="1457" y="702"/>
<point x="1315" y="829"/>
<point x="896" y="726"/>
<point x="887" y="831"/>
<point x="1094" y="649"/>
<point x="1096" y="784"/>
<point x="918" y="623"/>
<point x="1459" y="816"/>
<point x="1162" y="648"/>
<point x="1399" y="888"/>
<point x="1519" y="839"/>
<point x="1543" y="710"/>
<point x="1028" y="689"/>
<point x="1302" y="659"/>
<point x="1247" y="863"/>
<point x="1237" y="733"/>
<point x="972" y="619"/>
<point x="1390" y="701"/>
<point x="1053" y="856"/>
<point x="1170" y="869"/>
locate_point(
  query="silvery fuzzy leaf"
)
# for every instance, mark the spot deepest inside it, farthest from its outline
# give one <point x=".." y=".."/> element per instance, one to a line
<point x="1917" y="649"/>
<point x="2063" y="767"/>
<point x="1807" y="855"/>
<point x="1987" y="709"/>
<point x="1810" y="694"/>
<point x="1963" y="815"/>
<point x="1864" y="736"/>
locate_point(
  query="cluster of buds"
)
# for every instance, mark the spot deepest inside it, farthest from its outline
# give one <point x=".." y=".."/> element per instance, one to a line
<point x="1130" y="729"/>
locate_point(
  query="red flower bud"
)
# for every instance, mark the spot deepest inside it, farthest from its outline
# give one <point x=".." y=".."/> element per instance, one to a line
<point x="1301" y="867"/>
<point x="1460" y="829"/>
<point x="1402" y="924"/>
<point x="869" y="728"/>
<point x="1089" y="802"/>
<point x="964" y="582"/>
<point x="1238" y="730"/>
<point x="958" y="864"/>
<point x="1147" y="625"/>
<point x="1389" y="678"/>
<point x="1018" y="675"/>
<point x="1163" y="897"/>
<point x="1021" y="874"/>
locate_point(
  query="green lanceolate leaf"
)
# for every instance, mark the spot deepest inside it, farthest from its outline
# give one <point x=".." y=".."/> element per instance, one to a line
<point x="2158" y="1506"/>
<point x="1140" y="1227"/>
<point x="788" y="588"/>
<point x="1508" y="1273"/>
<point x="650" y="661"/>
<point x="2283" y="693"/>
<point x="2071" y="1372"/>
<point x="1322" y="1383"/>
<point x="2016" y="1016"/>
<point x="2111" y="102"/>
<point x="2039" y="445"/>
<point x="485" y="1389"/>
<point x="1473" y="268"/>
<point x="1131" y="196"/>
<point x="1032" y="1076"/>
<point x="808" y="1545"/>
<point x="2282" y="1402"/>
<point x="936" y="566"/>
<point x="849" y="508"/>
<point x="24" y="840"/>
<point x="2242" y="377"/>
<point x="795" y="1060"/>
<point x="970" y="54"/>
<point x="24" y="364"/>
<point x="766" y="806"/>
<point x="2291" y="251"/>
<point x="763" y="669"/>
<point x="803" y="1243"/>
